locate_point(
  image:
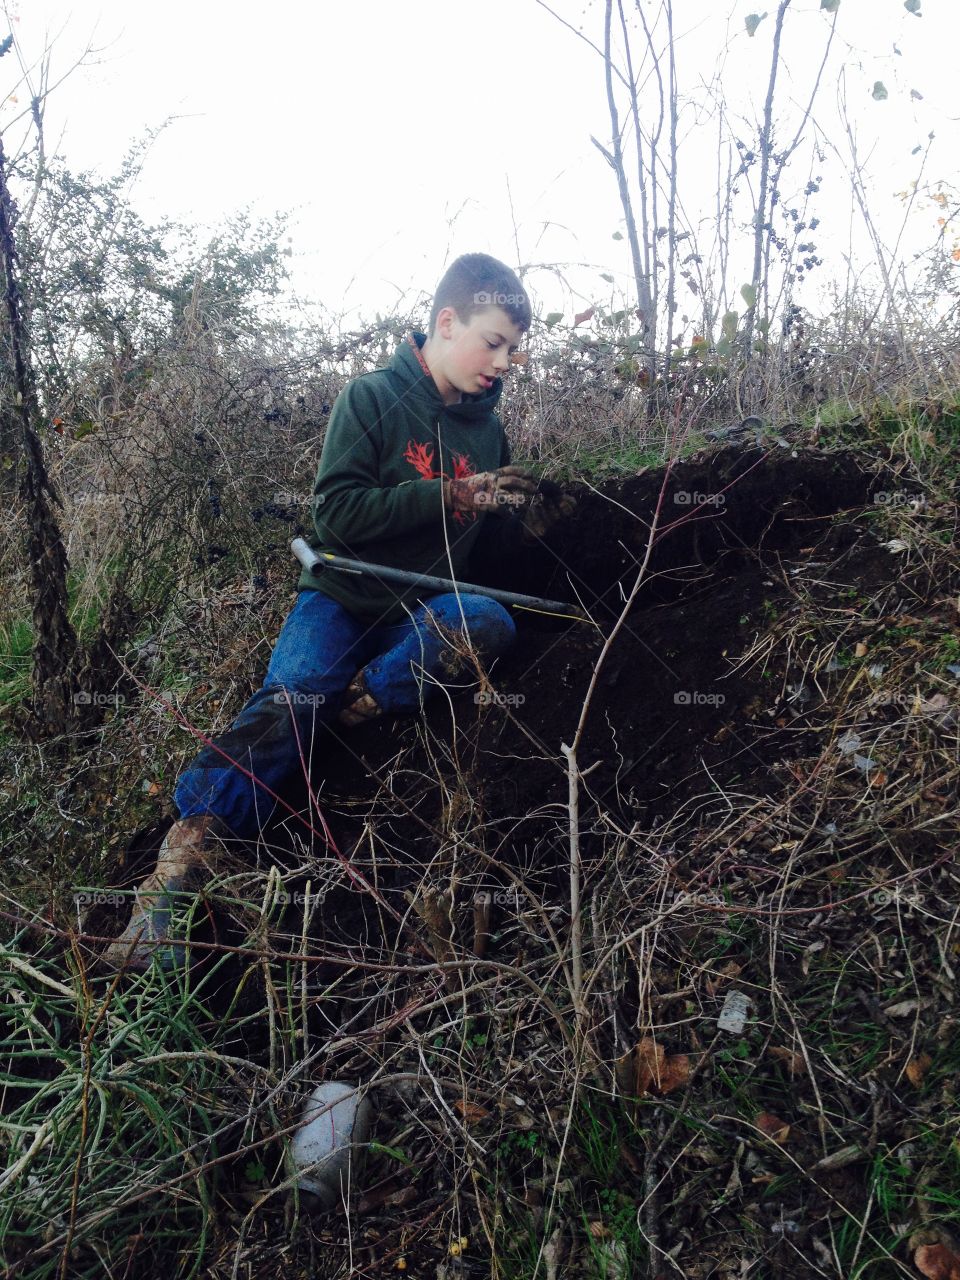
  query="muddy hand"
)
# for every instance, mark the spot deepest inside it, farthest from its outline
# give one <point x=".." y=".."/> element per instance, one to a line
<point x="498" y="491"/>
<point x="546" y="508"/>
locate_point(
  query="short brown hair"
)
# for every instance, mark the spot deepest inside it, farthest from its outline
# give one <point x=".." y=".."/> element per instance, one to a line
<point x="475" y="281"/>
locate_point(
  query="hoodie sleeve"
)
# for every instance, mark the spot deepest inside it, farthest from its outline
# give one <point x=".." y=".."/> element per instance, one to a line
<point x="350" y="505"/>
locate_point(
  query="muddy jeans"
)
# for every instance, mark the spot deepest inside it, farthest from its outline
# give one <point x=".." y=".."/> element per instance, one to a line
<point x="320" y="648"/>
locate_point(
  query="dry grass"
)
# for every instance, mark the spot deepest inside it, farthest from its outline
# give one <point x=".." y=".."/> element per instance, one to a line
<point x="145" y="1119"/>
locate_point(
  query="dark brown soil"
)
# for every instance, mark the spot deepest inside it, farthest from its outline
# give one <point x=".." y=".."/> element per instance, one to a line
<point x="669" y="712"/>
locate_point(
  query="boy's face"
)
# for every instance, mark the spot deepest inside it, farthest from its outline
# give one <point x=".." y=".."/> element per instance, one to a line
<point x="471" y="355"/>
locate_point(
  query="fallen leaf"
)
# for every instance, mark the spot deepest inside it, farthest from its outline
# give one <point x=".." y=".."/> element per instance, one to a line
<point x="839" y="1159"/>
<point x="676" y="1071"/>
<point x="937" y="1262"/>
<point x="472" y="1112"/>
<point x="794" y="1062"/>
<point x="647" y="1069"/>
<point x="917" y="1068"/>
<point x="860" y="651"/>
<point x="773" y="1127"/>
<point x="901" y="1008"/>
<point x="649" y="1062"/>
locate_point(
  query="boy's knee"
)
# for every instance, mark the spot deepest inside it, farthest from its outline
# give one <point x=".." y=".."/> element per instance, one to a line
<point x="488" y="624"/>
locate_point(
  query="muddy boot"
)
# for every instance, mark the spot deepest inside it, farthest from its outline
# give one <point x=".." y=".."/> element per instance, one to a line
<point x="359" y="704"/>
<point x="183" y="861"/>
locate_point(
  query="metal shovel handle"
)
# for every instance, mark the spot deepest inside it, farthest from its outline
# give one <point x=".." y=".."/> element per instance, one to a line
<point x="316" y="561"/>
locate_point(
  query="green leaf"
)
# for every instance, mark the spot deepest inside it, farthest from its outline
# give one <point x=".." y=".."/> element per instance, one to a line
<point x="912" y="6"/>
<point x="728" y="325"/>
<point x="724" y="347"/>
<point x="618" y="235"/>
<point x="830" y="6"/>
<point x="752" y="21"/>
<point x="879" y="91"/>
<point x="604" y="276"/>
<point x="749" y="294"/>
<point x="553" y="318"/>
<point x="394" y="1152"/>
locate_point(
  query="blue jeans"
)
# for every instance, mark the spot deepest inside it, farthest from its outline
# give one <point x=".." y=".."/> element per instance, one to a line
<point x="320" y="648"/>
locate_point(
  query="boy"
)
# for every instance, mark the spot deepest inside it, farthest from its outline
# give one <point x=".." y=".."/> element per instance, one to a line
<point x="414" y="465"/>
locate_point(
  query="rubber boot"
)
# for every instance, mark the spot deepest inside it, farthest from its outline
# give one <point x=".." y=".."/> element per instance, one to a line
<point x="183" y="863"/>
<point x="359" y="704"/>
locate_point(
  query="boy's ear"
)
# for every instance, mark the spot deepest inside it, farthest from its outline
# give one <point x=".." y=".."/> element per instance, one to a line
<point x="446" y="319"/>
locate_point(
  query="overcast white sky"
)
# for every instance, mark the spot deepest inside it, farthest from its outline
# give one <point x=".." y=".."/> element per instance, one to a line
<point x="400" y="135"/>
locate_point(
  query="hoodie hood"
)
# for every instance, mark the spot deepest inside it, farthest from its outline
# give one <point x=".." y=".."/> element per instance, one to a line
<point x="419" y="386"/>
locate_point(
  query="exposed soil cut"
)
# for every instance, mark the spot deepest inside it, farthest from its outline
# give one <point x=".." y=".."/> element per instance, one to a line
<point x="670" y="709"/>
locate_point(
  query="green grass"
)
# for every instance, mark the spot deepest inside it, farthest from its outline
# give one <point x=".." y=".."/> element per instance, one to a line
<point x="121" y="1105"/>
<point x="16" y="641"/>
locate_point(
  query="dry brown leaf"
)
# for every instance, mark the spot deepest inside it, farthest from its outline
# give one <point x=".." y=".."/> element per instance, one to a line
<point x="794" y="1062"/>
<point x="649" y="1063"/>
<point x="860" y="650"/>
<point x="730" y="970"/>
<point x="647" y="1069"/>
<point x="676" y="1071"/>
<point x="472" y="1112"/>
<point x="581" y="316"/>
<point x="900" y="1008"/>
<point x="773" y="1127"/>
<point x="937" y="1262"/>
<point x="917" y="1068"/>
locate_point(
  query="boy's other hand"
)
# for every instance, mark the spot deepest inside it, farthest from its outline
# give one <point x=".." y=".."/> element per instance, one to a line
<point x="550" y="505"/>
<point x="497" y="491"/>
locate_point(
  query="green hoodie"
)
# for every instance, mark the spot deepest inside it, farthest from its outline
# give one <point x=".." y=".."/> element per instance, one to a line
<point x="378" y="495"/>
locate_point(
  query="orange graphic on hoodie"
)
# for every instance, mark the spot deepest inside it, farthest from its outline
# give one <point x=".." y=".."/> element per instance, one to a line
<point x="420" y="457"/>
